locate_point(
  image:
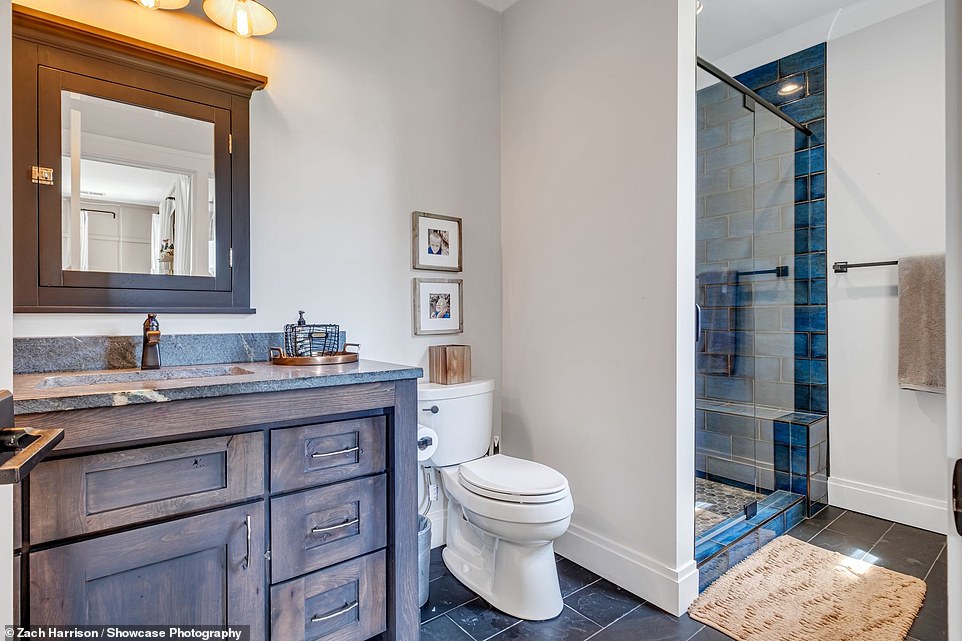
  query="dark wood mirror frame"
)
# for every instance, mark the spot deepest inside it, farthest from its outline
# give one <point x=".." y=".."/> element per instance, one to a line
<point x="51" y="54"/>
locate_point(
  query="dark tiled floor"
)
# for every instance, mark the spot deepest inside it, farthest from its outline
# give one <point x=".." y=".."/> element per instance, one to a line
<point x="601" y="611"/>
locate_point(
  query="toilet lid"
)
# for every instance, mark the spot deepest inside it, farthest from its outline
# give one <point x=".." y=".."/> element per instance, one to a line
<point x="506" y="478"/>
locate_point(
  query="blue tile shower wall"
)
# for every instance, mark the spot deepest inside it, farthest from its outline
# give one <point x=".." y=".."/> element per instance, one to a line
<point x="807" y="69"/>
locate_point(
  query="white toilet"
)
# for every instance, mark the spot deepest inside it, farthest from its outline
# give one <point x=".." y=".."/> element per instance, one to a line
<point x="504" y="513"/>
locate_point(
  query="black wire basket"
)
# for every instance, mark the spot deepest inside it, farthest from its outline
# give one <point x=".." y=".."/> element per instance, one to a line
<point x="303" y="339"/>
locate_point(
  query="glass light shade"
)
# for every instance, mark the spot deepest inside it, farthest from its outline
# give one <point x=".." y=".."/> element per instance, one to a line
<point x="163" y="4"/>
<point x="244" y="17"/>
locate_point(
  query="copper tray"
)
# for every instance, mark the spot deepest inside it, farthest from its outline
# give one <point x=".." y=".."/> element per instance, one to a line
<point x="278" y="357"/>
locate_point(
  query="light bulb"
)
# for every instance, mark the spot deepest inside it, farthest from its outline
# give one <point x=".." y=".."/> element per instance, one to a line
<point x="148" y="4"/>
<point x="789" y="88"/>
<point x="242" y="19"/>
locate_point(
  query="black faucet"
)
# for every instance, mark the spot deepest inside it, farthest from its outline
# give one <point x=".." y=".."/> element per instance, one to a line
<point x="150" y="358"/>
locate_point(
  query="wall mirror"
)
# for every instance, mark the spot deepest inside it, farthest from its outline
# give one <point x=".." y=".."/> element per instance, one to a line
<point x="131" y="174"/>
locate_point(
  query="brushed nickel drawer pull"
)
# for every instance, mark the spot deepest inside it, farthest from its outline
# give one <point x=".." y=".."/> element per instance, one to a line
<point x="247" y="557"/>
<point x="330" y="528"/>
<point x="326" y="454"/>
<point x="347" y="608"/>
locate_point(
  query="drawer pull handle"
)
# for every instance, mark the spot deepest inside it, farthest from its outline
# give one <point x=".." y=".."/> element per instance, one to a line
<point x="331" y="528"/>
<point x="326" y="454"/>
<point x="247" y="557"/>
<point x="327" y="617"/>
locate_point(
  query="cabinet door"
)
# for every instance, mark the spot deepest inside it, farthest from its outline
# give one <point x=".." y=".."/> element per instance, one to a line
<point x="201" y="570"/>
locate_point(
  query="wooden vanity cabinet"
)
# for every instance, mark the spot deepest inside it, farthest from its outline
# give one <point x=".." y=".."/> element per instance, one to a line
<point x="291" y="512"/>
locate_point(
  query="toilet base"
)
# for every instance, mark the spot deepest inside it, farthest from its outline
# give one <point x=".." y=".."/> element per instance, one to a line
<point x="518" y="579"/>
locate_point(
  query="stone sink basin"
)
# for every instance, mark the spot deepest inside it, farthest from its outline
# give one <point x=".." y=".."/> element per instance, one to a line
<point x="136" y="376"/>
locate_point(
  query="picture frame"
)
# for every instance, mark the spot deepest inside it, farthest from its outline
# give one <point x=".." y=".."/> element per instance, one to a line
<point x="436" y="243"/>
<point x="438" y="306"/>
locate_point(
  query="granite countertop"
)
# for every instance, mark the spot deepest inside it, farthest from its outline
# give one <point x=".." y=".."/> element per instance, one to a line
<point x="60" y="391"/>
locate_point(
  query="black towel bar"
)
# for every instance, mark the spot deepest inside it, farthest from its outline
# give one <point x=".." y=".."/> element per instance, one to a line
<point x="842" y="267"/>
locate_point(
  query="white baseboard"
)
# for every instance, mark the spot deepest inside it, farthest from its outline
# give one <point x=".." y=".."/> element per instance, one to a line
<point x="671" y="589"/>
<point x="892" y="505"/>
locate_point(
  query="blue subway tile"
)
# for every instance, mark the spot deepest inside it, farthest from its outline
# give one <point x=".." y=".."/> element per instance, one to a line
<point x="803" y="396"/>
<point x="802" y="345"/>
<point x="802" y="140"/>
<point x="817" y="159"/>
<point x="706" y="549"/>
<point x="801" y="189"/>
<point x="801" y="241"/>
<point x="820" y="398"/>
<point x="817" y="218"/>
<point x="811" y="108"/>
<point x="802" y="162"/>
<point x="818" y="186"/>
<point x="802" y="61"/>
<point x="819" y="346"/>
<point x="734" y="533"/>
<point x="818" y="292"/>
<point x="782" y="433"/>
<point x="780" y="500"/>
<point x="783" y="481"/>
<point x="759" y="76"/>
<point x="801" y="292"/>
<point x="800" y="484"/>
<point x="710" y="571"/>
<point x="810" y="319"/>
<point x="818" y="132"/>
<point x="803" y="264"/>
<point x="799" y="436"/>
<point x="803" y="370"/>
<point x="817" y="239"/>
<point x="710" y="442"/>
<point x="777" y="525"/>
<point x="783" y="462"/>
<point x="743" y="549"/>
<point x="799" y="460"/>
<point x="795" y="515"/>
<point x="816" y="80"/>
<point x="802" y="215"/>
<point x="820" y="372"/>
<point x="818" y="265"/>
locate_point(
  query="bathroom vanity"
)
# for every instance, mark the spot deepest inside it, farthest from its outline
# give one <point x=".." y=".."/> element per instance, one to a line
<point x="277" y="498"/>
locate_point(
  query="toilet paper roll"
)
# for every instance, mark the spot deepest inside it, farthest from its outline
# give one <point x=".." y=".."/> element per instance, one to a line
<point x="428" y="451"/>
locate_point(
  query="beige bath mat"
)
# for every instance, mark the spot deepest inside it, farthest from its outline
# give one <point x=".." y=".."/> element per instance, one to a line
<point x="794" y="591"/>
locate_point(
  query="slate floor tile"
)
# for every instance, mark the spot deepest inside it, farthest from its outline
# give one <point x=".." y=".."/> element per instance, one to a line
<point x="445" y="594"/>
<point x="438" y="569"/>
<point x="567" y="626"/>
<point x="860" y="526"/>
<point x="603" y="602"/>
<point x="650" y="624"/>
<point x="573" y="577"/>
<point x="480" y="620"/>
<point x="908" y="550"/>
<point x="931" y="624"/>
<point x="851" y="546"/>
<point x="710" y="634"/>
<point x="443" y="629"/>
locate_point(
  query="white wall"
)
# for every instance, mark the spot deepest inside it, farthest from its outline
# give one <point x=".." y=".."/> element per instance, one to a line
<point x="598" y="250"/>
<point x="6" y="305"/>
<point x="886" y="199"/>
<point x="953" y="286"/>
<point x="374" y="109"/>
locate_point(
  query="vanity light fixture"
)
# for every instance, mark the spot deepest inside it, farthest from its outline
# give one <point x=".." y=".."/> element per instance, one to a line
<point x="163" y="4"/>
<point x="789" y="88"/>
<point x="244" y="17"/>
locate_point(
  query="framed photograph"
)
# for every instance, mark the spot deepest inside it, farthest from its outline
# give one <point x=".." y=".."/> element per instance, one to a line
<point x="437" y="307"/>
<point x="437" y="242"/>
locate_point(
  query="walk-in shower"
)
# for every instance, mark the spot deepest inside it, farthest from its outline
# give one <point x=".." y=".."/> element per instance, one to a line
<point x="756" y="288"/>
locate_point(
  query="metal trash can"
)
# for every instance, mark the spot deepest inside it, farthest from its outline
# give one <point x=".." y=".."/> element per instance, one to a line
<point x="424" y="558"/>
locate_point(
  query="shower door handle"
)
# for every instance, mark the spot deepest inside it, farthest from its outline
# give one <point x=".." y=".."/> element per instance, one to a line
<point x="697" y="322"/>
<point x="957" y="495"/>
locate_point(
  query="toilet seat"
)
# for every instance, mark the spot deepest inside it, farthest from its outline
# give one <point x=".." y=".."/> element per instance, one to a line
<point x="510" y="511"/>
<point x="514" y="480"/>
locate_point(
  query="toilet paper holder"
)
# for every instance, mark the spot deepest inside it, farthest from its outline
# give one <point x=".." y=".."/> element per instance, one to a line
<point x="425" y="442"/>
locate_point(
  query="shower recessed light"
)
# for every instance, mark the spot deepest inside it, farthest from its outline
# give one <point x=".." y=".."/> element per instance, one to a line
<point x="789" y="88"/>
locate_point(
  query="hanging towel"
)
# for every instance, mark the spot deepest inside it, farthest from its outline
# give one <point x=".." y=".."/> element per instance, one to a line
<point x="922" y="323"/>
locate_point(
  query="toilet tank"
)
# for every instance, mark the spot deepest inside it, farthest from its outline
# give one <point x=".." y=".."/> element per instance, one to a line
<point x="463" y="420"/>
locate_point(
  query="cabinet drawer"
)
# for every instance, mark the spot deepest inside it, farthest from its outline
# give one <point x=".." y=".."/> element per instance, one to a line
<point x="342" y="603"/>
<point x="77" y="496"/>
<point x="325" y="453"/>
<point x="317" y="528"/>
